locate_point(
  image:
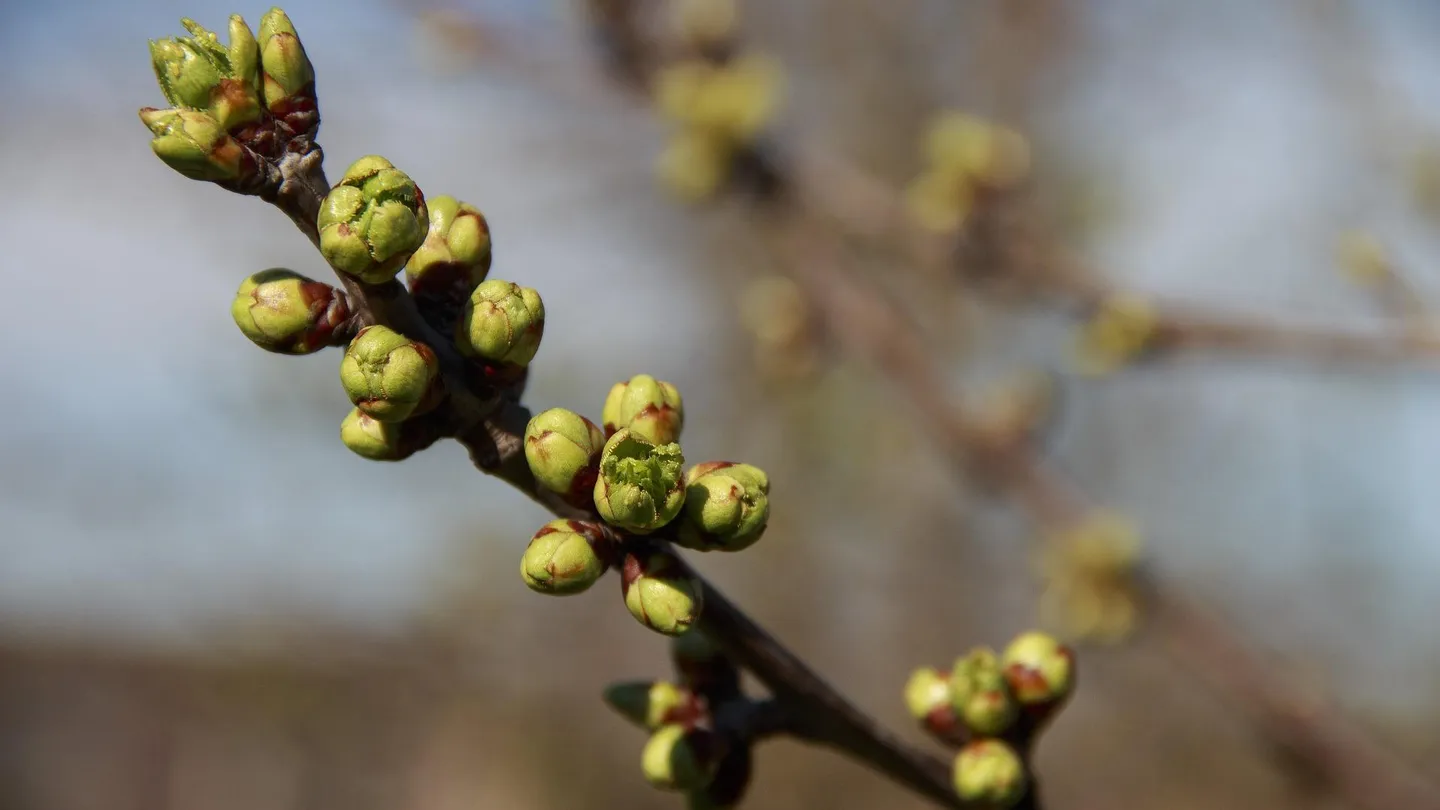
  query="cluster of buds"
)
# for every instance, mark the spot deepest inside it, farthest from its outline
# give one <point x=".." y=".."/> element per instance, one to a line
<point x="233" y="105"/>
<point x="631" y="472"/>
<point x="718" y="101"/>
<point x="1090" y="578"/>
<point x="688" y="750"/>
<point x="373" y="222"/>
<point x="1121" y="329"/>
<point x="992" y="707"/>
<point x="966" y="158"/>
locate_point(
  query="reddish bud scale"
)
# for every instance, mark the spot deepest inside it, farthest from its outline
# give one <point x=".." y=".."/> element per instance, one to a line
<point x="595" y="535"/>
<point x="1025" y="680"/>
<point x="944" y="724"/>
<point x="440" y="294"/>
<point x="324" y="300"/>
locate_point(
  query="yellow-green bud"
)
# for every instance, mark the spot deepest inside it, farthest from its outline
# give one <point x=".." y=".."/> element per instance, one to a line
<point x="659" y="592"/>
<point x="980" y="694"/>
<point x="198" y="73"/>
<point x="372" y="220"/>
<point x="369" y="437"/>
<point x="194" y="144"/>
<point x="641" y="486"/>
<point x="652" y="704"/>
<point x="565" y="557"/>
<point x="287" y="70"/>
<point x="502" y="322"/>
<point x="387" y="375"/>
<point x="925" y="691"/>
<point x="1040" y="670"/>
<point x="680" y="758"/>
<point x="563" y="451"/>
<point x="649" y="407"/>
<point x="727" y="506"/>
<point x="456" y="251"/>
<point x="990" y="773"/>
<point x="284" y="312"/>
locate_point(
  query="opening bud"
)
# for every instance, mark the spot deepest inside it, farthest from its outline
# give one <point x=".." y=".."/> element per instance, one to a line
<point x="990" y="773"/>
<point x="648" y="407"/>
<point x="565" y="557"/>
<point x="727" y="506"/>
<point x="284" y="312"/>
<point x="980" y="694"/>
<point x="563" y="450"/>
<point x="372" y="220"/>
<point x="503" y="323"/>
<point x="680" y="758"/>
<point x="1040" y="670"/>
<point x="198" y="73"/>
<point x="653" y="704"/>
<point x="194" y="144"/>
<point x="659" y="592"/>
<point x="387" y="375"/>
<point x="641" y="486"/>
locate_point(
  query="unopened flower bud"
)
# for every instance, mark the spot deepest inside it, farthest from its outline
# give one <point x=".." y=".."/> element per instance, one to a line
<point x="649" y="407"/>
<point x="287" y="70"/>
<point x="727" y="506"/>
<point x="1040" y="670"/>
<point x="659" y="592"/>
<point x="386" y="374"/>
<point x="653" y="704"/>
<point x="284" y="312"/>
<point x="372" y="220"/>
<point x="456" y="250"/>
<point x="194" y="144"/>
<point x="966" y="147"/>
<point x="641" y="485"/>
<point x="939" y="202"/>
<point x="680" y="758"/>
<point x="503" y="323"/>
<point x="989" y="772"/>
<point x="370" y="438"/>
<point x="565" y="557"/>
<point x="980" y="694"/>
<point x="694" y="165"/>
<point x="927" y="698"/>
<point x="563" y="451"/>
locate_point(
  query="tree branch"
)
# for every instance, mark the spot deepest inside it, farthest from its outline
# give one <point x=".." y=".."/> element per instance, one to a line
<point x="491" y="427"/>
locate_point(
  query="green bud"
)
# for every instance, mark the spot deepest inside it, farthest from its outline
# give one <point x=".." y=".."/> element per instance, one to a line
<point x="659" y="592"/>
<point x="565" y="557"/>
<point x="456" y="251"/>
<point x="387" y="375"/>
<point x="680" y="758"/>
<point x="647" y="406"/>
<point x="194" y="144"/>
<point x="726" y="506"/>
<point x="199" y="73"/>
<point x="186" y="72"/>
<point x="926" y="691"/>
<point x="369" y="437"/>
<point x="372" y="220"/>
<point x="502" y="322"/>
<point x="641" y="486"/>
<point x="652" y="704"/>
<point x="286" y="68"/>
<point x="1040" y="670"/>
<point x="563" y="450"/>
<point x="990" y="773"/>
<point x="284" y="312"/>
<point x="980" y="694"/>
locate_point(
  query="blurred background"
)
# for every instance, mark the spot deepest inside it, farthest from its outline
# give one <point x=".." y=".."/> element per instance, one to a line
<point x="207" y="602"/>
